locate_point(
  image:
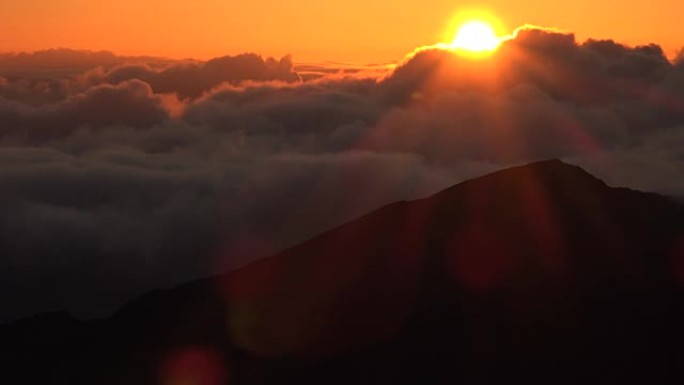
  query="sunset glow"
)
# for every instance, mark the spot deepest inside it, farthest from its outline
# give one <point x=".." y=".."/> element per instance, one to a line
<point x="310" y="30"/>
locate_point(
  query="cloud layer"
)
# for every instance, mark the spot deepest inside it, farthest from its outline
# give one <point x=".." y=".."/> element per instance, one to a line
<point x="123" y="174"/>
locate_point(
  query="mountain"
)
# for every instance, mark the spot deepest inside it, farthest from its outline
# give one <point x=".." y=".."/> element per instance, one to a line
<point x="537" y="274"/>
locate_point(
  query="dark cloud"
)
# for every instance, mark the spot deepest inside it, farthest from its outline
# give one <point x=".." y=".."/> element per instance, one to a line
<point x="129" y="104"/>
<point x="49" y="76"/>
<point x="127" y="175"/>
<point x="289" y="117"/>
<point x="55" y="62"/>
<point x="191" y="80"/>
<point x="34" y="91"/>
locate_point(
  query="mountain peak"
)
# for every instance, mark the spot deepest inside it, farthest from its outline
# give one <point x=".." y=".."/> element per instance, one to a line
<point x="527" y="187"/>
<point x="551" y="170"/>
<point x="525" y="273"/>
<point x="543" y="220"/>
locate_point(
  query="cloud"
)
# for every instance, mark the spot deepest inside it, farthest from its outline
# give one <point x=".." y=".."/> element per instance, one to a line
<point x="191" y="80"/>
<point x="541" y="95"/>
<point x="55" y="62"/>
<point x="124" y="175"/>
<point x="129" y="104"/>
<point x="49" y="76"/>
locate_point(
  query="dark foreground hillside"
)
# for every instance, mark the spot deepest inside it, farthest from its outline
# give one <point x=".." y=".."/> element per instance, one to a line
<point x="535" y="274"/>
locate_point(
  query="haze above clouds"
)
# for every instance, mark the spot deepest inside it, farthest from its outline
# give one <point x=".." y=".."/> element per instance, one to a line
<point x="123" y="174"/>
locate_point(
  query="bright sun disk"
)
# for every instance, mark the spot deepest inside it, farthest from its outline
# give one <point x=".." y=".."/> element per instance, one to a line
<point x="476" y="37"/>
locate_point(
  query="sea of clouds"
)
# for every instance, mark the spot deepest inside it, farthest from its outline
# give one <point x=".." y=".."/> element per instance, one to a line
<point x="123" y="174"/>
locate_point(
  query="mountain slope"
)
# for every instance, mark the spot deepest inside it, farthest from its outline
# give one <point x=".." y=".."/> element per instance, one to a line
<point x="539" y="273"/>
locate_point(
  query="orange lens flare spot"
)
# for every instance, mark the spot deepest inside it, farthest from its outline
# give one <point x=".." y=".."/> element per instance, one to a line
<point x="193" y="366"/>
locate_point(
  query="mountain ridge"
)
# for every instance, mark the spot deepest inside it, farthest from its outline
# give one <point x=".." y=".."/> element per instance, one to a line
<point x="527" y="272"/>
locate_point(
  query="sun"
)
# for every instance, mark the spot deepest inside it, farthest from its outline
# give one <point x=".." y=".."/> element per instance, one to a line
<point x="476" y="37"/>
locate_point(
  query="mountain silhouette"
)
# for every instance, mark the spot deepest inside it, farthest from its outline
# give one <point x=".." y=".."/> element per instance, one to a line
<point x="536" y="274"/>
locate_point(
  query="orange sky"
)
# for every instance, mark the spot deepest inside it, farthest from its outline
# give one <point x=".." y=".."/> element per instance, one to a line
<point x="360" y="31"/>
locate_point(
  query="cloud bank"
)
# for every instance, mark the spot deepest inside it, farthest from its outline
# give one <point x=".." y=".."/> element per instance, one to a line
<point x="124" y="174"/>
